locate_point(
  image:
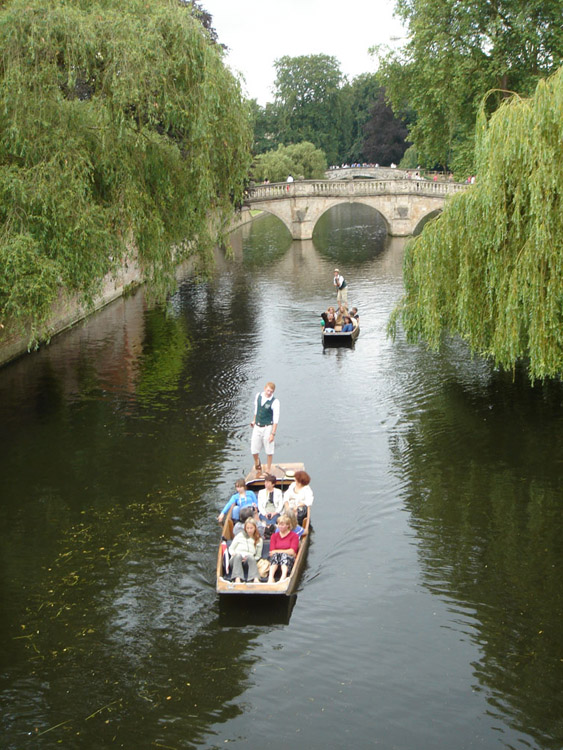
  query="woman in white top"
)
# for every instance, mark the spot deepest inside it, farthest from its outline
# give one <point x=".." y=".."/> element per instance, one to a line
<point x="270" y="500"/>
<point x="246" y="547"/>
<point x="299" y="495"/>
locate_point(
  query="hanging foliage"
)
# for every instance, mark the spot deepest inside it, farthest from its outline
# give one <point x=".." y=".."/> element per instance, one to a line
<point x="120" y="129"/>
<point x="490" y="268"/>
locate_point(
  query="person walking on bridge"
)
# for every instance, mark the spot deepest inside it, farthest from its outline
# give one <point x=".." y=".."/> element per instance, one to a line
<point x="342" y="287"/>
<point x="264" y="426"/>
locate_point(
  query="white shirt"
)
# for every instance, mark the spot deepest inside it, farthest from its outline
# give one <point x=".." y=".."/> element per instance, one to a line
<point x="263" y="501"/>
<point x="244" y="545"/>
<point x="296" y="498"/>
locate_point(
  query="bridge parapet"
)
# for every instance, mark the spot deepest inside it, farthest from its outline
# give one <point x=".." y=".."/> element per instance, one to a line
<point x="341" y="188"/>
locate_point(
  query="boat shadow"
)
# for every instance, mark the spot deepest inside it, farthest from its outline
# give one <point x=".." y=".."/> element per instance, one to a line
<point x="238" y="611"/>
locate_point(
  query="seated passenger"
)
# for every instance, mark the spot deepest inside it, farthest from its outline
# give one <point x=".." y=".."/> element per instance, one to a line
<point x="299" y="530"/>
<point x="249" y="512"/>
<point x="270" y="501"/>
<point x="241" y="498"/>
<point x="347" y="327"/>
<point x="342" y="311"/>
<point x="299" y="495"/>
<point x="284" y="545"/>
<point x="246" y="548"/>
<point x="329" y="319"/>
<point x="354" y="314"/>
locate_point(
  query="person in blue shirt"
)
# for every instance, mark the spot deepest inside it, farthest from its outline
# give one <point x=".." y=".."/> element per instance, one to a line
<point x="241" y="498"/>
<point x="348" y="326"/>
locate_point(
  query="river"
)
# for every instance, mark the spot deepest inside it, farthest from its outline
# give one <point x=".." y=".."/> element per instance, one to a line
<point x="430" y="613"/>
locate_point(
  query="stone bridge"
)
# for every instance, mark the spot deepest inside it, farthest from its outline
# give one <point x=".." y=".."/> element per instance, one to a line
<point x="403" y="204"/>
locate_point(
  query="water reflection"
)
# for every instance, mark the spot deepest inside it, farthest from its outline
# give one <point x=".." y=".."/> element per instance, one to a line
<point x="161" y="364"/>
<point x="266" y="240"/>
<point x="350" y="233"/>
<point x="241" y="611"/>
<point x="482" y="464"/>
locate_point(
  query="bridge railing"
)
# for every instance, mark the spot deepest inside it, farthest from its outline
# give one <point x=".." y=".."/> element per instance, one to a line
<point x="338" y="188"/>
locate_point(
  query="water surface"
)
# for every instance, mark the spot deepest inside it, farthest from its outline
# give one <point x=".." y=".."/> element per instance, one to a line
<point x="430" y="612"/>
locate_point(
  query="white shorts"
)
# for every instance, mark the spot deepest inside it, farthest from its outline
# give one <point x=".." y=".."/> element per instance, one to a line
<point x="261" y="439"/>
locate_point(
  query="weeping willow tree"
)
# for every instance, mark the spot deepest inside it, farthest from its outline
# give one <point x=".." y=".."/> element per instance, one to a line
<point x="120" y="129"/>
<point x="490" y="268"/>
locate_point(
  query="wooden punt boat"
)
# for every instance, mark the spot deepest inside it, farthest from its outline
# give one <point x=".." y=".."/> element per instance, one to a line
<point x="284" y="473"/>
<point x="340" y="338"/>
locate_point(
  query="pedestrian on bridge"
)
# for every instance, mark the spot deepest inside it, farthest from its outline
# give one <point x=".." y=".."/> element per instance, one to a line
<point x="342" y="287"/>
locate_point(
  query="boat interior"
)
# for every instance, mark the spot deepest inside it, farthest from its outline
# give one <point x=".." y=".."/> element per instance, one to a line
<point x="284" y="474"/>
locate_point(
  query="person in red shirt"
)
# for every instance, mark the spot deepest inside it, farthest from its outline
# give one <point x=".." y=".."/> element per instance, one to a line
<point x="283" y="549"/>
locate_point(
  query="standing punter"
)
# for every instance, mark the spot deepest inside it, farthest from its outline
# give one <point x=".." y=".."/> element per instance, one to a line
<point x="264" y="426"/>
<point x="342" y="286"/>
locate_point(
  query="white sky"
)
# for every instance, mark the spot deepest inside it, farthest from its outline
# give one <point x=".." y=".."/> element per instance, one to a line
<point x="258" y="32"/>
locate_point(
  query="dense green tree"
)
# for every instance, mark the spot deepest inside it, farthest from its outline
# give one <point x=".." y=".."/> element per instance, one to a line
<point x="457" y="51"/>
<point x="335" y="122"/>
<point x="120" y="128"/>
<point x="301" y="160"/>
<point x="360" y="95"/>
<point x="203" y="16"/>
<point x="384" y="134"/>
<point x="410" y="159"/>
<point x="490" y="268"/>
<point x="310" y="105"/>
<point x="265" y="122"/>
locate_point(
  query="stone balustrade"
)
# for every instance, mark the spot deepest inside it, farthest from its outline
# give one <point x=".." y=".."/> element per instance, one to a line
<point x="345" y="188"/>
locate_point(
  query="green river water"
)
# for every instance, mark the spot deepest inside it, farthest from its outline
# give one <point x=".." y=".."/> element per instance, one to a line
<point x="430" y="613"/>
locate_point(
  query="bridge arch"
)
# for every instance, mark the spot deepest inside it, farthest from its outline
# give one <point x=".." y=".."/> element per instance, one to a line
<point x="267" y="208"/>
<point x="358" y="202"/>
<point x="425" y="219"/>
<point x="302" y="217"/>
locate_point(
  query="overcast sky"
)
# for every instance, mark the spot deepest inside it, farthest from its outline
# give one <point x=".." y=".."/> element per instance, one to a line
<point x="258" y="32"/>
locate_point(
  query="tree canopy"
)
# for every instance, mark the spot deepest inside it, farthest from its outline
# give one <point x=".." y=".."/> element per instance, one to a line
<point x="309" y="105"/>
<point x="265" y="122"/>
<point x="301" y="160"/>
<point x="384" y="134"/>
<point x="352" y="124"/>
<point x="120" y="128"/>
<point x="358" y="97"/>
<point x="490" y="268"/>
<point x="456" y="52"/>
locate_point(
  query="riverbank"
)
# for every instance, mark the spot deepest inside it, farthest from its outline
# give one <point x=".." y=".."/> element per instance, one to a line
<point x="70" y="310"/>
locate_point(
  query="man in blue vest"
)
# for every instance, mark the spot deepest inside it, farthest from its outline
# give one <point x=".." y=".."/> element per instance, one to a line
<point x="264" y="426"/>
<point x="342" y="287"/>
